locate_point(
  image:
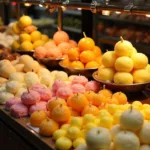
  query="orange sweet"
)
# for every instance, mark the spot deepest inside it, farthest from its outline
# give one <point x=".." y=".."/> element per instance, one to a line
<point x="106" y="92"/>
<point x="90" y="109"/>
<point x="121" y="97"/>
<point x="73" y="112"/>
<point x="86" y="43"/>
<point x="97" y="51"/>
<point x="37" y="117"/>
<point x="78" y="102"/>
<point x="66" y="62"/>
<point x="48" y="127"/>
<point x="87" y="56"/>
<point x="61" y="113"/>
<point x="73" y="54"/>
<point x="54" y="102"/>
<point x="92" y="64"/>
<point x="77" y="65"/>
<point x="89" y="95"/>
<point x="112" y="100"/>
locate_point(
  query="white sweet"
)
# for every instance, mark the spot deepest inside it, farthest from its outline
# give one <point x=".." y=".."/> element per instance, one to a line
<point x="17" y="76"/>
<point x="25" y="58"/>
<point x="12" y="86"/>
<point x="31" y="78"/>
<point x="2" y="89"/>
<point x="4" y="96"/>
<point x="61" y="75"/>
<point x="43" y="71"/>
<point x="14" y="62"/>
<point x="53" y="73"/>
<point x="46" y="80"/>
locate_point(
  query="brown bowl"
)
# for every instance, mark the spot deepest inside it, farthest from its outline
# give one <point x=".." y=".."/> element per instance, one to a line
<point x="51" y="63"/>
<point x="74" y="71"/>
<point x="135" y="87"/>
<point x="24" y="52"/>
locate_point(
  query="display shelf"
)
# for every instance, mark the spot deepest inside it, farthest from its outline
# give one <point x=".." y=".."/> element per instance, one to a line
<point x="129" y="21"/>
<point x="68" y="29"/>
<point x="144" y="48"/>
<point x="73" y="12"/>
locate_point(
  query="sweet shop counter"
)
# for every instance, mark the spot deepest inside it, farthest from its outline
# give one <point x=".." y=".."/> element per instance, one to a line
<point x="15" y="134"/>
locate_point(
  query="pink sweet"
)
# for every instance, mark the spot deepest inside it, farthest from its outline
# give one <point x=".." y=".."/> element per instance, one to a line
<point x="73" y="43"/>
<point x="92" y="86"/>
<point x="36" y="87"/>
<point x="11" y="102"/>
<point x="45" y="94"/>
<point x="64" y="92"/>
<point x="79" y="80"/>
<point x="78" y="88"/>
<point x="19" y="110"/>
<point x="30" y="97"/>
<point x="50" y="44"/>
<point x="38" y="106"/>
<point x="40" y="52"/>
<point x="54" y="53"/>
<point x="64" y="47"/>
<point x="57" y="84"/>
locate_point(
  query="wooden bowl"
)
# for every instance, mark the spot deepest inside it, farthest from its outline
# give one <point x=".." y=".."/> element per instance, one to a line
<point x="135" y="87"/>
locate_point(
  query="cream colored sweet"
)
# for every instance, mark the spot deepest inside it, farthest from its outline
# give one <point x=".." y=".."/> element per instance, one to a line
<point x="30" y="97"/>
<point x="14" y="62"/>
<point x="78" y="88"/>
<point x="20" y="92"/>
<point x="4" y="71"/>
<point x="79" y="80"/>
<point x="64" y="47"/>
<point x="4" y="96"/>
<point x="3" y="80"/>
<point x="13" y="86"/>
<point x="70" y="78"/>
<point x="17" y="76"/>
<point x="64" y="92"/>
<point x="19" y="67"/>
<point x="43" y="71"/>
<point x="40" y="52"/>
<point x="46" y="80"/>
<point x="11" y="102"/>
<point x="24" y="59"/>
<point x="31" y="78"/>
<point x="19" y="110"/>
<point x="61" y="75"/>
<point x="57" y="84"/>
<point x="92" y="86"/>
<point x="3" y="88"/>
<point x="38" y="106"/>
<point x="53" y="73"/>
<point x="31" y="66"/>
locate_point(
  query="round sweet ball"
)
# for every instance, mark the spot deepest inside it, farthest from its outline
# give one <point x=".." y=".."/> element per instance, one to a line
<point x="12" y="86"/>
<point x="64" y="92"/>
<point x="38" y="106"/>
<point x="92" y="86"/>
<point x="40" y="52"/>
<point x="11" y="102"/>
<point x="73" y="43"/>
<point x="79" y="80"/>
<point x="17" y="76"/>
<point x="50" y="44"/>
<point x="30" y="97"/>
<point x="60" y="36"/>
<point x="64" y="47"/>
<point x="57" y="84"/>
<point x="78" y="88"/>
<point x="19" y="110"/>
<point x="37" y="87"/>
<point x="4" y="96"/>
<point x="61" y="75"/>
<point x="54" y="53"/>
